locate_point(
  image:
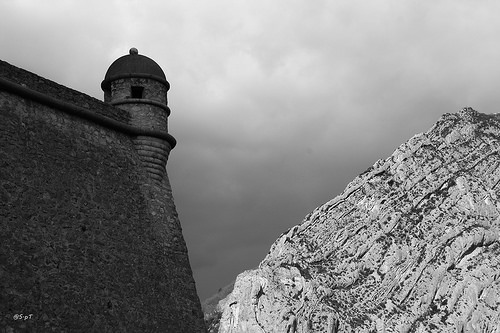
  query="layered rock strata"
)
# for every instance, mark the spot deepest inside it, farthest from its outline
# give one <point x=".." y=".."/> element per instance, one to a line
<point x="411" y="245"/>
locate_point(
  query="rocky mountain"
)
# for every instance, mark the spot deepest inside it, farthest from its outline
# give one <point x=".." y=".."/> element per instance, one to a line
<point x="411" y="245"/>
<point x="211" y="310"/>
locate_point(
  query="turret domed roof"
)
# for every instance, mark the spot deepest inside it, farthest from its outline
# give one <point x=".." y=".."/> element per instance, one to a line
<point x="133" y="65"/>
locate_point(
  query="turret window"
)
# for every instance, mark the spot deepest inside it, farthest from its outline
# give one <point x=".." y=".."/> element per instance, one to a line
<point x="136" y="92"/>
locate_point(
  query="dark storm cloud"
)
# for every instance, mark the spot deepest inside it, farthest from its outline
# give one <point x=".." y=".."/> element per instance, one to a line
<point x="276" y="105"/>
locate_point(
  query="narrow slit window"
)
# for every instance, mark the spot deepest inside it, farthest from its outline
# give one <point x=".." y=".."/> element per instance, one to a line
<point x="136" y="92"/>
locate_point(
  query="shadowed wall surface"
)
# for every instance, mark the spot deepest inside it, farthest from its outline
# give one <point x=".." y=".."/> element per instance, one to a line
<point x="89" y="242"/>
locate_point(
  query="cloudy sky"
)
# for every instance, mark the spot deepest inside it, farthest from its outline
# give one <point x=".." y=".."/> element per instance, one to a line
<point x="276" y="105"/>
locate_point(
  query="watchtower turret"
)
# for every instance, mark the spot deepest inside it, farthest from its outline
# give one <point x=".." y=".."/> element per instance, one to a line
<point x="137" y="84"/>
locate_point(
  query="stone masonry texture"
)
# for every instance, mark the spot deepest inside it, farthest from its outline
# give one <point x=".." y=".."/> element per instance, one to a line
<point x="411" y="245"/>
<point x="155" y="90"/>
<point x="144" y="115"/>
<point x="88" y="242"/>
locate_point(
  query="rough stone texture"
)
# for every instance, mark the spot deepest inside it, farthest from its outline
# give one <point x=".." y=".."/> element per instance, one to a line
<point x="154" y="90"/>
<point x="149" y="116"/>
<point x="411" y="245"/>
<point x="212" y="310"/>
<point x="52" y="89"/>
<point x="89" y="242"/>
<point x="153" y="152"/>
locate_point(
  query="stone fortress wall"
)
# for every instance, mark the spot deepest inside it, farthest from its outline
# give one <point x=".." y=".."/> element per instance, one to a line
<point x="149" y="111"/>
<point x="89" y="242"/>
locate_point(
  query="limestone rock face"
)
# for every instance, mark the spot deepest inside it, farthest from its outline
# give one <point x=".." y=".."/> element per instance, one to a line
<point x="411" y="245"/>
<point x="212" y="310"/>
